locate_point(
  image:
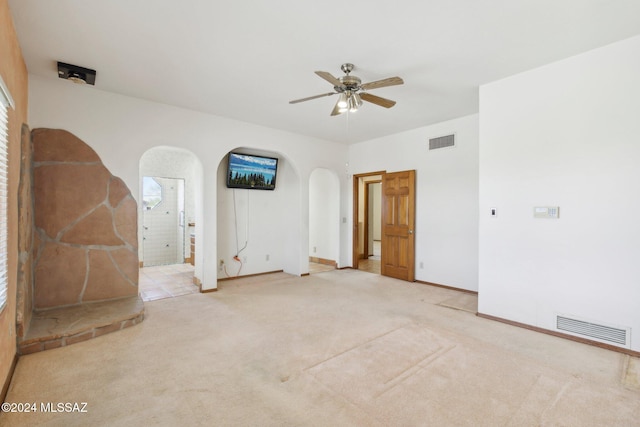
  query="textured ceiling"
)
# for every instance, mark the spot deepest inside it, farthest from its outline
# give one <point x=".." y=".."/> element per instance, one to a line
<point x="246" y="59"/>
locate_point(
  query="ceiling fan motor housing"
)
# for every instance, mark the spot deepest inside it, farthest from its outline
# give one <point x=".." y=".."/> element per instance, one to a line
<point x="350" y="83"/>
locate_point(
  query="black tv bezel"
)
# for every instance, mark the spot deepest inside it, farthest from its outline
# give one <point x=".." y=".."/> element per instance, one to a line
<point x="249" y="187"/>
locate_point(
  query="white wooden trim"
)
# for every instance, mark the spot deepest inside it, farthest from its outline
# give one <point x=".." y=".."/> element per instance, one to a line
<point x="5" y="96"/>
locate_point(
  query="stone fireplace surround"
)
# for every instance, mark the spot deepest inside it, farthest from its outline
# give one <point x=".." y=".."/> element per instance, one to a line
<point x="78" y="245"/>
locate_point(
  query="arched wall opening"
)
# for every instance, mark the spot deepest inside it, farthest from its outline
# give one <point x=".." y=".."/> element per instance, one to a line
<point x="324" y="217"/>
<point x="259" y="231"/>
<point x="168" y="165"/>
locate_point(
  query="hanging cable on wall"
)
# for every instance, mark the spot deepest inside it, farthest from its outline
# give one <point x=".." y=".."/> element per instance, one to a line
<point x="239" y="250"/>
<point x="239" y="268"/>
<point x="246" y="226"/>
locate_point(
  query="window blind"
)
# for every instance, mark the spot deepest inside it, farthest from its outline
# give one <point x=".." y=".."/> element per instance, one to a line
<point x="5" y="102"/>
<point x="3" y="206"/>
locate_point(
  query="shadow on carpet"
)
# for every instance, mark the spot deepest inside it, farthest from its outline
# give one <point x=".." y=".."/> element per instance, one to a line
<point x="464" y="302"/>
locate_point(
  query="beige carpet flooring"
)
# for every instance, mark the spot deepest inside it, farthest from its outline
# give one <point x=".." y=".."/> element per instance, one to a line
<point x="341" y="348"/>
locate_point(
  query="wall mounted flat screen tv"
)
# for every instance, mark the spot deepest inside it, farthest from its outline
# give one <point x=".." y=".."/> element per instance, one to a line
<point x="251" y="171"/>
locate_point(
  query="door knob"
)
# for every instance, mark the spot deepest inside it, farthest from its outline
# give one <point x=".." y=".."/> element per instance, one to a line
<point x="410" y="231"/>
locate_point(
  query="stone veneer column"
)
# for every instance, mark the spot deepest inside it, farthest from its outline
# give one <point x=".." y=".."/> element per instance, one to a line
<point x="85" y="245"/>
<point x="24" y="301"/>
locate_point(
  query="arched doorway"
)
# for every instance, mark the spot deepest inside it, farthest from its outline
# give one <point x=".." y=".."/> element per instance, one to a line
<point x="170" y="197"/>
<point x="324" y="220"/>
<point x="258" y="231"/>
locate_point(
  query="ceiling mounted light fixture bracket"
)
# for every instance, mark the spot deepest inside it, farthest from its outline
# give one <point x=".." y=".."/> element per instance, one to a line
<point x="76" y="74"/>
<point x="346" y="68"/>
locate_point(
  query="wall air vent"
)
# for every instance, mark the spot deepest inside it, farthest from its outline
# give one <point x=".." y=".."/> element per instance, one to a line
<point x="594" y="331"/>
<point x="442" y="142"/>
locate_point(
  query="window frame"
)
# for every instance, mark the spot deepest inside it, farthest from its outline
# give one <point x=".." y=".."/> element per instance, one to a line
<point x="6" y="102"/>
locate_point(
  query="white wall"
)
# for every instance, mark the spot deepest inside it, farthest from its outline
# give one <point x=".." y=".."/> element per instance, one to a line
<point x="566" y="134"/>
<point x="324" y="214"/>
<point x="446" y="196"/>
<point x="121" y="129"/>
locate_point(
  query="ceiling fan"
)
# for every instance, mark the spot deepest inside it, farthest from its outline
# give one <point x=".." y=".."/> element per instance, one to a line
<point x="352" y="92"/>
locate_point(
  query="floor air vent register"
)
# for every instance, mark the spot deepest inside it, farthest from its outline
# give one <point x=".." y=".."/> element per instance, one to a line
<point x="602" y="333"/>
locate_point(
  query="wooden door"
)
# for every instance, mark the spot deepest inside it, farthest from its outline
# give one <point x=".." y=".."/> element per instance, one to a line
<point x="398" y="221"/>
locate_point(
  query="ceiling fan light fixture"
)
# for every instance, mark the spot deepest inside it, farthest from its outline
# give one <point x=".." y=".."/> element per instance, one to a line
<point x="354" y="102"/>
<point x="352" y="105"/>
<point x="343" y="101"/>
<point x="358" y="100"/>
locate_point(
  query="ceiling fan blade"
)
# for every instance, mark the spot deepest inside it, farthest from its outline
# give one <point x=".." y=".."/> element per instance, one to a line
<point x="383" y="102"/>
<point x="295" y="101"/>
<point x="328" y="77"/>
<point x="391" y="81"/>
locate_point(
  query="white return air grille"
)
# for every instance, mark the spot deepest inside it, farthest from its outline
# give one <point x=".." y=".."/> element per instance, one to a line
<point x="442" y="142"/>
<point x="602" y="333"/>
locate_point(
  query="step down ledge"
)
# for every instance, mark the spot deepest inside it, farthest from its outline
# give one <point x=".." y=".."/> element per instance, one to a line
<point x="59" y="327"/>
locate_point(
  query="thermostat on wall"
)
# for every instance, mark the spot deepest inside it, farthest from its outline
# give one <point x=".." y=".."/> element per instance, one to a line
<point x="546" y="212"/>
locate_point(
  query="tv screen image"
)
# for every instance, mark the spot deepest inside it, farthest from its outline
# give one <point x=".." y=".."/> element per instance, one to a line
<point x="251" y="171"/>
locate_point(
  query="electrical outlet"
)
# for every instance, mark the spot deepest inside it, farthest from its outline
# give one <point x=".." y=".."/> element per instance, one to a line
<point x="221" y="265"/>
<point x="267" y="257"/>
<point x="421" y="264"/>
<point x="314" y="249"/>
<point x="244" y="259"/>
